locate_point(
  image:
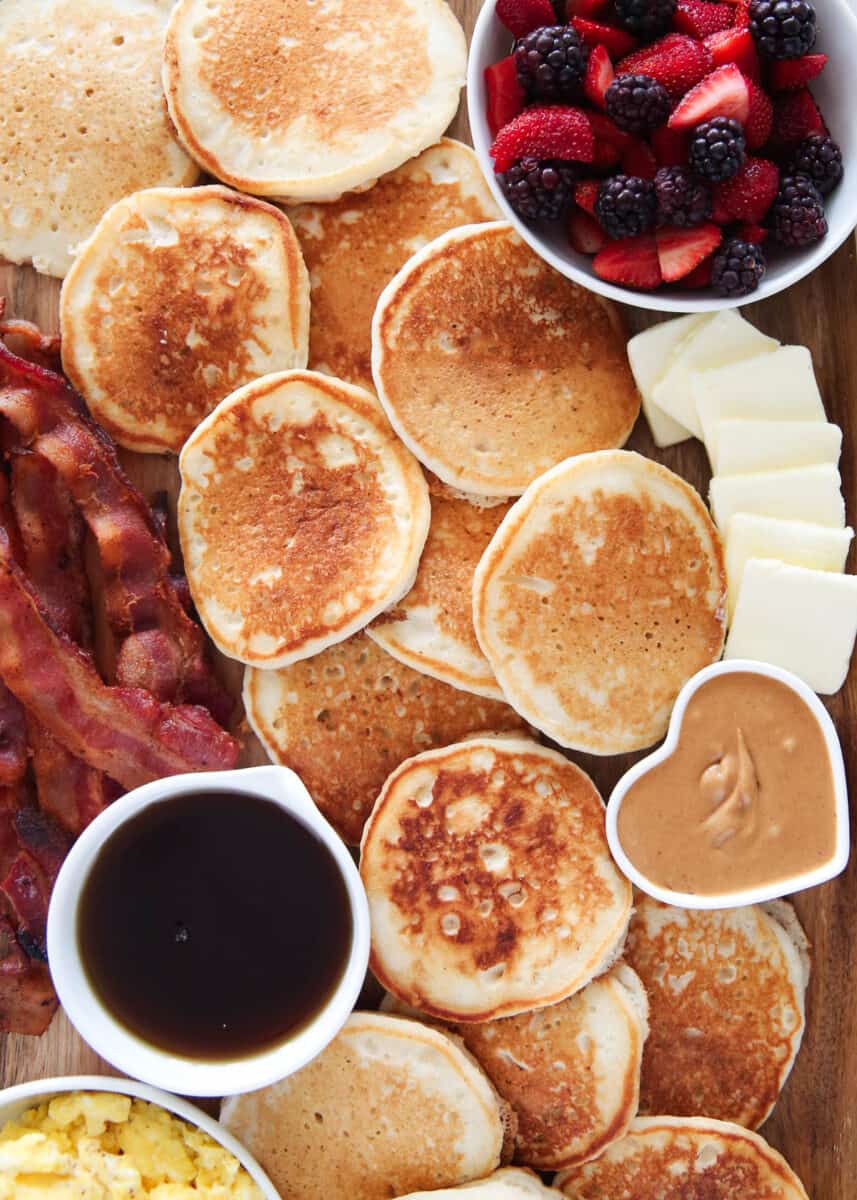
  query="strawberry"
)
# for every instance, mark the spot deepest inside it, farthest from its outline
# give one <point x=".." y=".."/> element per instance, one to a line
<point x="751" y="233"/>
<point x="670" y="146"/>
<point x="723" y="93"/>
<point x="584" y="233"/>
<point x="585" y="8"/>
<point x="523" y="16"/>
<point x="616" y="41"/>
<point x="551" y="131"/>
<point x="789" y="74"/>
<point x="700" y="277"/>
<point x="750" y="193"/>
<point x="638" y="159"/>
<point x="796" y="116"/>
<point x="760" y="118"/>
<point x="607" y="155"/>
<point x="605" y="129"/>
<point x="676" y="61"/>
<point x="586" y="193"/>
<point x="599" y="75"/>
<point x="505" y="94"/>
<point x="682" y="250"/>
<point x="700" y="18"/>
<point x="735" y="46"/>
<point x="742" y="15"/>
<point x="632" y="261"/>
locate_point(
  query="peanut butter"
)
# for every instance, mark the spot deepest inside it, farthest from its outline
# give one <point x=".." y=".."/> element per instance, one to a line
<point x="745" y="799"/>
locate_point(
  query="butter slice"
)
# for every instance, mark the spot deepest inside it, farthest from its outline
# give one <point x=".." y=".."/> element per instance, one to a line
<point x="726" y="338"/>
<point x="796" y="618"/>
<point x="797" y="543"/>
<point x="802" y="494"/>
<point x="650" y="354"/>
<point x="741" y="447"/>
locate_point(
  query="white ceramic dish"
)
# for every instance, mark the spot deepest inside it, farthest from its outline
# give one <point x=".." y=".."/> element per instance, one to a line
<point x="754" y="895"/>
<point x="837" y="36"/>
<point x="96" y="1024"/>
<point x="16" y="1100"/>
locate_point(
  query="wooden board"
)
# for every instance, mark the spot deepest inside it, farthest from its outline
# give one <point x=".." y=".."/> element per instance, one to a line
<point x="815" y="1122"/>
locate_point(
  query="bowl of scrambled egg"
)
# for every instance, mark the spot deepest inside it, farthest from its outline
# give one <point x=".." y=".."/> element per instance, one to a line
<point x="92" y="1138"/>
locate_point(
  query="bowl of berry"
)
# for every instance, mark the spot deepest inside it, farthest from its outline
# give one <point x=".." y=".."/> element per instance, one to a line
<point x="676" y="154"/>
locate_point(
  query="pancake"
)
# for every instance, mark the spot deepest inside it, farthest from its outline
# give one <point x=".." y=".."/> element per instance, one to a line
<point x="389" y="1107"/>
<point x="685" y="1158"/>
<point x="726" y="993"/>
<point x="571" y="1072"/>
<point x="179" y="297"/>
<point x="598" y="597"/>
<point x="431" y="628"/>
<point x="301" y="517"/>
<point x="493" y="367"/>
<point x="491" y="889"/>
<point x="509" y="1183"/>
<point x="354" y="247"/>
<point x="306" y="101"/>
<point x="344" y="719"/>
<point x="85" y="120"/>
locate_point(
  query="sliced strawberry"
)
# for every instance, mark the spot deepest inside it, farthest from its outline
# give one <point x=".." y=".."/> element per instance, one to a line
<point x="760" y="119"/>
<point x="632" y="261"/>
<point x="796" y="116"/>
<point x="681" y="250"/>
<point x="735" y="46"/>
<point x="700" y="18"/>
<point x="723" y="93"/>
<point x="523" y="16"/>
<point x="700" y="277"/>
<point x="719" y="214"/>
<point x="552" y="131"/>
<point x="505" y="94"/>
<point x="584" y="233"/>
<point x="585" y="8"/>
<point x="606" y="156"/>
<point x="617" y="41"/>
<point x="599" y="75"/>
<point x="638" y="159"/>
<point x="605" y="129"/>
<point x="789" y="74"/>
<point x="750" y="193"/>
<point x="742" y="15"/>
<point x="752" y="233"/>
<point x="676" y="61"/>
<point x="586" y="193"/>
<point x="670" y="146"/>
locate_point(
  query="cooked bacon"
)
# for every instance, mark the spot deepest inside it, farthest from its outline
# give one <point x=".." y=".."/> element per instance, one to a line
<point x="13" y="960"/>
<point x="29" y="341"/>
<point x="29" y="892"/>
<point x="13" y="739"/>
<point x="68" y="788"/>
<point x="27" y="1000"/>
<point x="44" y="838"/>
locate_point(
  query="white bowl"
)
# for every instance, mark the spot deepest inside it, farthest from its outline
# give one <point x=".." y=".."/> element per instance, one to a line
<point x="837" y="36"/>
<point x="16" y="1100"/>
<point x="758" y="895"/>
<point x="97" y="1025"/>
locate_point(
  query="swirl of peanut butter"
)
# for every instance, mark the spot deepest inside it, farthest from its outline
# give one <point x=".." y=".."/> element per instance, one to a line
<point x="731" y="787"/>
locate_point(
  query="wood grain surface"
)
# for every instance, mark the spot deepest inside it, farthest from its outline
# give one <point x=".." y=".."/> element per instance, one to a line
<point x="815" y="1122"/>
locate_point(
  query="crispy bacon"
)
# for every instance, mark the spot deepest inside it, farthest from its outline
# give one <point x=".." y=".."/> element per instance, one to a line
<point x="43" y="837"/>
<point x="28" y="891"/>
<point x="13" y="739"/>
<point x="27" y="998"/>
<point x="68" y="788"/>
<point x="29" y="341"/>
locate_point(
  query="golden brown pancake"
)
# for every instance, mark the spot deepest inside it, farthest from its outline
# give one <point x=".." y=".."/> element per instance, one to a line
<point x="493" y="367"/>
<point x="491" y="889"/>
<point x="344" y="719"/>
<point x="598" y="597"/>
<point x="355" y="246"/>
<point x="509" y="1183"/>
<point x="726" y="995"/>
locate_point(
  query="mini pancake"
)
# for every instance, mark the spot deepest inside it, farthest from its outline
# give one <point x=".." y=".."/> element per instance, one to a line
<point x="431" y="628"/>
<point x="598" y="597"/>
<point x="726" y="993"/>
<point x="354" y="247"/>
<point x="85" y="120"/>
<point x="685" y="1158"/>
<point x="301" y="517"/>
<point x="571" y="1072"/>
<point x="509" y="1183"/>
<point x="180" y="296"/>
<point x="344" y="719"/>
<point x="491" y="889"/>
<point x="389" y="1107"/>
<point x="493" y="367"/>
<point x="306" y="101"/>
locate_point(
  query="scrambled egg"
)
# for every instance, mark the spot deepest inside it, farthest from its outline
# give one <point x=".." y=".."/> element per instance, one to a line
<point x="100" y="1146"/>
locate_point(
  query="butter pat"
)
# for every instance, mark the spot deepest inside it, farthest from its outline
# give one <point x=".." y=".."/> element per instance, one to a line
<point x="725" y="338"/>
<point x="650" y="354"/>
<point x="794" y="542"/>
<point x="802" y="494"/>
<point x="741" y="447"/>
<point x="796" y="618"/>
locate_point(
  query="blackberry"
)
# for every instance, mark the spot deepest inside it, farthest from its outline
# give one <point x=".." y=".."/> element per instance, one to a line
<point x="645" y="18"/>
<point x="626" y="205"/>
<point x="637" y="102"/>
<point x="797" y="215"/>
<point x="820" y="159"/>
<point x="717" y="148"/>
<point x="737" y="268"/>
<point x="783" y="28"/>
<point x="539" y="190"/>
<point x="551" y="62"/>
<point x="683" y="200"/>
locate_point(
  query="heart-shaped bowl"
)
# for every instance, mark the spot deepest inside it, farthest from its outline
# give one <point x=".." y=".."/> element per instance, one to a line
<point x="758" y="895"/>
